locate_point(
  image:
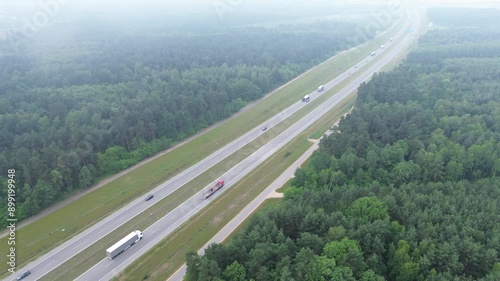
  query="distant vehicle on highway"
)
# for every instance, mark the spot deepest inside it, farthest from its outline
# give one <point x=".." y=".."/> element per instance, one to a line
<point x="306" y="98"/>
<point x="22" y="275"/>
<point x="149" y="197"/>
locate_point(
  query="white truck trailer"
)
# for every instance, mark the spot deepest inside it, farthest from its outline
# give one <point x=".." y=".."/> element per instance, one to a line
<point x="124" y="244"/>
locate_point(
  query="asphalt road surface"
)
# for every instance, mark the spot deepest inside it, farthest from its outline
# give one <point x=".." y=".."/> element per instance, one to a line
<point x="106" y="269"/>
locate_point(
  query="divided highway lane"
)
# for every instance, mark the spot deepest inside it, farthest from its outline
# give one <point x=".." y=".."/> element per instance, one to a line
<point x="80" y="242"/>
<point x="107" y="269"/>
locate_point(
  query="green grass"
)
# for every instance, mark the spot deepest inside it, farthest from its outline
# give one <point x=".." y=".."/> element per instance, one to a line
<point x="164" y="259"/>
<point x="316" y="135"/>
<point x="57" y="227"/>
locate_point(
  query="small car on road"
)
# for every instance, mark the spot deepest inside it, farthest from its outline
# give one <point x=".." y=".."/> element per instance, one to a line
<point x="22" y="275"/>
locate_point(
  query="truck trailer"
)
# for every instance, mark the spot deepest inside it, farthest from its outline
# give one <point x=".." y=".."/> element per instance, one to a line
<point x="124" y="244"/>
<point x="214" y="189"/>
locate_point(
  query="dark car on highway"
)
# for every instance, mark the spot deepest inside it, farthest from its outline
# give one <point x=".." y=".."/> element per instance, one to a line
<point x="21" y="276"/>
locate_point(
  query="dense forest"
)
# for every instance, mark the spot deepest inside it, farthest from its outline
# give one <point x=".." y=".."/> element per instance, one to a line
<point x="406" y="188"/>
<point x="85" y="100"/>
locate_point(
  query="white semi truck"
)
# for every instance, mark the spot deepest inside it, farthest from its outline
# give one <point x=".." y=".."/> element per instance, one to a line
<point x="125" y="243"/>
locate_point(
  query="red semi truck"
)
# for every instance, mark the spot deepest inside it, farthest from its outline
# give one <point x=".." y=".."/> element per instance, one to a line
<point x="214" y="189"/>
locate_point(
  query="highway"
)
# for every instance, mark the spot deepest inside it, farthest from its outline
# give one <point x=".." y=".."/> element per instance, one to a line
<point x="106" y="269"/>
<point x="250" y="208"/>
<point x="80" y="242"/>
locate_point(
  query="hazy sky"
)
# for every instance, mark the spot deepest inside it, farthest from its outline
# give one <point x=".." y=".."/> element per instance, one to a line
<point x="215" y="9"/>
<point x="211" y="10"/>
<point x="175" y="5"/>
<point x="37" y="14"/>
<point x="193" y="6"/>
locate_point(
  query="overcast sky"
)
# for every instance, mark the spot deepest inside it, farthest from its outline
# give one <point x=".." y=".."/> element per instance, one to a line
<point x="174" y="5"/>
<point x="193" y="6"/>
<point x="211" y="10"/>
<point x="29" y="9"/>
